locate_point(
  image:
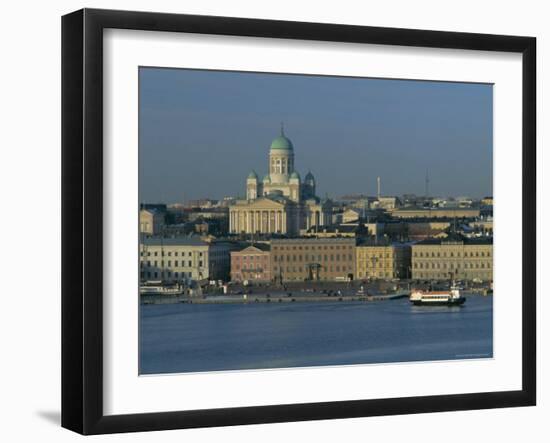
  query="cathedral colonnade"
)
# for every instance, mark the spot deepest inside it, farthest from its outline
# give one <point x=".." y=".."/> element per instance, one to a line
<point x="251" y="221"/>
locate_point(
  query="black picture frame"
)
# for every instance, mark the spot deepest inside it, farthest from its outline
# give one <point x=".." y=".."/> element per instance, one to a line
<point x="82" y="218"/>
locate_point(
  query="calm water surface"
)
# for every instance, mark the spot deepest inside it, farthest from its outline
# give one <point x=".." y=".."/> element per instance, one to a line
<point x="215" y="337"/>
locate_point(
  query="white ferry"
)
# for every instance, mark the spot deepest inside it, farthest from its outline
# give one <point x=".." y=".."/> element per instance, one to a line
<point x="160" y="288"/>
<point x="452" y="297"/>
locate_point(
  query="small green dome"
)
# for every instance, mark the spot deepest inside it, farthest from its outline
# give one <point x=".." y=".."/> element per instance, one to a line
<point x="295" y="175"/>
<point x="267" y="178"/>
<point x="253" y="175"/>
<point x="282" y="142"/>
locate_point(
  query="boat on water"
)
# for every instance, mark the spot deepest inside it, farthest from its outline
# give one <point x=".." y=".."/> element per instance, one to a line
<point x="450" y="297"/>
<point x="160" y="288"/>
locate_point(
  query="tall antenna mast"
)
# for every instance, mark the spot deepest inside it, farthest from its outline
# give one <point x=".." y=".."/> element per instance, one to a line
<point x="378" y="187"/>
<point x="427" y="190"/>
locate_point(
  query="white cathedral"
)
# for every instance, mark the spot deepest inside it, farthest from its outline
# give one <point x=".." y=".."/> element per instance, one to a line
<point x="281" y="203"/>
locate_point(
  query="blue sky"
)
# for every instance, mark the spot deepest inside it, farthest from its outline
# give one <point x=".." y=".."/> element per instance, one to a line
<point x="201" y="132"/>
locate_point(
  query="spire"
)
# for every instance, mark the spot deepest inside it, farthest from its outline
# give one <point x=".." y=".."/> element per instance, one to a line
<point x="282" y="129"/>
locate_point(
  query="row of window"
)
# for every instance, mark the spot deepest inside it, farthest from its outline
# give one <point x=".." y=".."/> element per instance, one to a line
<point x="321" y="270"/>
<point x="312" y="257"/>
<point x="484" y="275"/>
<point x="380" y="274"/>
<point x="313" y="248"/>
<point x="155" y="275"/>
<point x="169" y="263"/>
<point x="478" y="265"/>
<point x="367" y="265"/>
<point x="370" y="257"/>
<point x="278" y="166"/>
<point x="451" y="254"/>
<point x="256" y="269"/>
<point x="169" y="254"/>
<point x="250" y="257"/>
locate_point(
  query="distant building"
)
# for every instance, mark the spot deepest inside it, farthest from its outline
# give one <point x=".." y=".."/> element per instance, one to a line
<point x="351" y="215"/>
<point x="184" y="259"/>
<point x="208" y="213"/>
<point x="422" y="230"/>
<point x="483" y="226"/>
<point x="355" y="230"/>
<point x="313" y="259"/>
<point x="466" y="259"/>
<point x="159" y="207"/>
<point x="252" y="264"/>
<point x="151" y="221"/>
<point x="383" y="261"/>
<point x="435" y="213"/>
<point x="387" y="203"/>
<point x="202" y="203"/>
<point x="487" y="201"/>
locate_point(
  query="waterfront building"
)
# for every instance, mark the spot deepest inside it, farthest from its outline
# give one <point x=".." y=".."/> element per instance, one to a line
<point x="384" y="261"/>
<point x="487" y="201"/>
<point x="252" y="264"/>
<point x="465" y="258"/>
<point x="281" y="203"/>
<point x="151" y="221"/>
<point x="185" y="259"/>
<point x="313" y="259"/>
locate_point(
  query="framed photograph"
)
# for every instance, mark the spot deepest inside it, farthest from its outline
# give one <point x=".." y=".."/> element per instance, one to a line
<point x="269" y="221"/>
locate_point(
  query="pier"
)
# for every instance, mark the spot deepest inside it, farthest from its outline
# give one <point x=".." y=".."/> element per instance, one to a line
<point x="269" y="298"/>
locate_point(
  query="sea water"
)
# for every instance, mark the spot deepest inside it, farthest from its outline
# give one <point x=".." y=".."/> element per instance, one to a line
<point x="216" y="337"/>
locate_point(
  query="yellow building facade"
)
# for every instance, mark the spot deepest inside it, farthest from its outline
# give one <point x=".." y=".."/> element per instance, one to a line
<point x="466" y="259"/>
<point x="383" y="261"/>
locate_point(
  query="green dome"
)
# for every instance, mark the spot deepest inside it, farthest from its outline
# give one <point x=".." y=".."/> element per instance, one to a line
<point x="253" y="175"/>
<point x="282" y="142"/>
<point x="295" y="175"/>
<point x="267" y="178"/>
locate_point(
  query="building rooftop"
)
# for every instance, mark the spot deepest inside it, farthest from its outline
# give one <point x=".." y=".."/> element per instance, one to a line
<point x="189" y="240"/>
<point x="282" y="142"/>
<point x="313" y="240"/>
<point x="457" y="239"/>
<point x="261" y="246"/>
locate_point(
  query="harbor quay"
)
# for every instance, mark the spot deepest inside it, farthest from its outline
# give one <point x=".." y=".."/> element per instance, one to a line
<point x="354" y="291"/>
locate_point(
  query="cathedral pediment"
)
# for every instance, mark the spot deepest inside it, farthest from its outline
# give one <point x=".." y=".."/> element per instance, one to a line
<point x="267" y="203"/>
